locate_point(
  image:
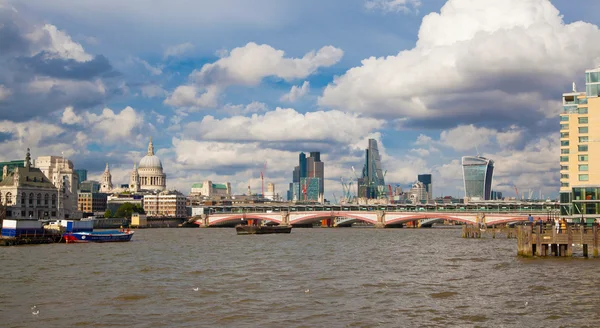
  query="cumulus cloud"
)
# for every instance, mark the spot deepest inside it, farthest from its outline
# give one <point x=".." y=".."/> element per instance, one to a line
<point x="44" y="70"/>
<point x="387" y="6"/>
<point x="177" y="50"/>
<point x="287" y="125"/>
<point x="251" y="108"/>
<point x="154" y="70"/>
<point x="35" y="134"/>
<point x="4" y="92"/>
<point x="153" y="91"/>
<point x="475" y="61"/>
<point x="296" y="92"/>
<point x="248" y="66"/>
<point x="109" y="125"/>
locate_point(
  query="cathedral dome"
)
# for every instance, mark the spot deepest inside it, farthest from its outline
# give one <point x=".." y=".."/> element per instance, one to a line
<point x="150" y="161"/>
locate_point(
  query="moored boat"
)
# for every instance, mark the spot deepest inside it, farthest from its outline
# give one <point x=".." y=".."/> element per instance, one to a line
<point x="262" y="230"/>
<point x="98" y="236"/>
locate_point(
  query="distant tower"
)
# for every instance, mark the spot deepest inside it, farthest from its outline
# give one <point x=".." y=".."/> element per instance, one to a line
<point x="107" y="185"/>
<point x="134" y="183"/>
<point x="477" y="174"/>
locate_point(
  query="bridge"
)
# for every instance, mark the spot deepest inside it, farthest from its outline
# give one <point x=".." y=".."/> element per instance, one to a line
<point x="381" y="216"/>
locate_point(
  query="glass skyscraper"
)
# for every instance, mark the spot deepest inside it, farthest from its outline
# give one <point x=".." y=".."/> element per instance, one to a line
<point x="308" y="179"/>
<point x="372" y="184"/>
<point x="477" y="173"/>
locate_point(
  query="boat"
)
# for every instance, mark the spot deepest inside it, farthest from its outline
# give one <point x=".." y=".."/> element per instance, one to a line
<point x="261" y="229"/>
<point x="98" y="236"/>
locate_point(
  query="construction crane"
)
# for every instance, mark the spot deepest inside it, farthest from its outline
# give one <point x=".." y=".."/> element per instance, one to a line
<point x="516" y="191"/>
<point x="335" y="199"/>
<point x="262" y="178"/>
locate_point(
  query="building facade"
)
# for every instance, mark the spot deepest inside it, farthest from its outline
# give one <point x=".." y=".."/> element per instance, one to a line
<point x="210" y="189"/>
<point x="427" y="181"/>
<point x="106" y="185"/>
<point x="26" y="192"/>
<point x="580" y="150"/>
<point x="11" y="165"/>
<point x="478" y="173"/>
<point x="165" y="204"/>
<point x="89" y="186"/>
<point x="308" y="179"/>
<point x="61" y="173"/>
<point x="81" y="175"/>
<point x="113" y="202"/>
<point x="92" y="202"/>
<point x="418" y="193"/>
<point x="372" y="184"/>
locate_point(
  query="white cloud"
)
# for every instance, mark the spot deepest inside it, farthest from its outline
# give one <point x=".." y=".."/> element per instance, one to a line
<point x="296" y="92"/>
<point x="32" y="134"/>
<point x="154" y="70"/>
<point x="285" y="125"/>
<point x="472" y="57"/>
<point x="186" y="96"/>
<point x="251" y="108"/>
<point x="153" y="91"/>
<point x="109" y="125"/>
<point x="386" y="6"/>
<point x="57" y="44"/>
<point x="178" y="50"/>
<point x="4" y="92"/>
<point x="247" y="66"/>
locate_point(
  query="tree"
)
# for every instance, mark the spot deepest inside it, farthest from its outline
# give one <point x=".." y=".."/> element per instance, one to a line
<point x="125" y="210"/>
<point x="108" y="214"/>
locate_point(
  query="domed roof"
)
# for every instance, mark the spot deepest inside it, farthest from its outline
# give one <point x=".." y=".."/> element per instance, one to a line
<point x="150" y="161"/>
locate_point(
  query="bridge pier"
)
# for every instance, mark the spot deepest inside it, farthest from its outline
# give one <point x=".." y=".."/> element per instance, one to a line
<point x="380" y="219"/>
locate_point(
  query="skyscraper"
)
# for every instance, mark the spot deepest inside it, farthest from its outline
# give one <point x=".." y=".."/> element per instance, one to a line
<point x="426" y="180"/>
<point x="372" y="184"/>
<point x="82" y="173"/>
<point x="477" y="173"/>
<point x="580" y="150"/>
<point x="308" y="179"/>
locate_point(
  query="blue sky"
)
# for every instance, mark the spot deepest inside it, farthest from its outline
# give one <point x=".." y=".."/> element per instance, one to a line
<point x="224" y="87"/>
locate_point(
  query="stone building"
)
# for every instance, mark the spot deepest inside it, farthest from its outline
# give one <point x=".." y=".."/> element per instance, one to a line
<point x="165" y="204"/>
<point x="61" y="173"/>
<point x="210" y="189"/>
<point x="26" y="192"/>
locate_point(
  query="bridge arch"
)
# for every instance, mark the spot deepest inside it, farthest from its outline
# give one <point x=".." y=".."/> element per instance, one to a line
<point x="410" y="218"/>
<point x="240" y="217"/>
<point x="331" y="215"/>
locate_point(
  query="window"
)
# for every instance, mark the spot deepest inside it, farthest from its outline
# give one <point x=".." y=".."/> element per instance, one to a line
<point x="583" y="177"/>
<point x="564" y="151"/>
<point x="564" y="184"/>
<point x="583" y="129"/>
<point x="39" y="199"/>
<point x="46" y="197"/>
<point x="583" y="167"/>
<point x="583" y="101"/>
<point x="583" y="139"/>
<point x="582" y="148"/>
<point x="564" y="167"/>
<point x="583" y="158"/>
<point x="583" y="120"/>
<point x="564" y="118"/>
<point x="583" y="110"/>
<point x="564" y="142"/>
<point x="564" y="176"/>
<point x="8" y="198"/>
<point x="23" y="196"/>
<point x="564" y="134"/>
<point x="564" y="126"/>
<point x="53" y="201"/>
<point x="564" y="158"/>
<point x="31" y="199"/>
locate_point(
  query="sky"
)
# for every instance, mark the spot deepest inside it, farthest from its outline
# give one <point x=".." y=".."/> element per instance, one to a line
<point x="224" y="87"/>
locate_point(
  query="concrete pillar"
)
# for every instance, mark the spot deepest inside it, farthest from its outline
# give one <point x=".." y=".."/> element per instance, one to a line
<point x="569" y="246"/>
<point x="285" y="218"/>
<point x="380" y="219"/>
<point x="538" y="241"/>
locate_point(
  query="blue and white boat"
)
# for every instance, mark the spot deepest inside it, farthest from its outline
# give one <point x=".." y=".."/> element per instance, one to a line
<point x="98" y="236"/>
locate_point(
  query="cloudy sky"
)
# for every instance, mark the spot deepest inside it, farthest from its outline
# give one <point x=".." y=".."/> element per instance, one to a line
<point x="225" y="86"/>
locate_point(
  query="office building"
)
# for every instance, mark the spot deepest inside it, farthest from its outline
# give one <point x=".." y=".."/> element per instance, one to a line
<point x="372" y="185"/>
<point x="580" y="150"/>
<point x="426" y="180"/>
<point x="11" y="165"/>
<point x="82" y="175"/>
<point x="89" y="186"/>
<point x="92" y="202"/>
<point x="308" y="179"/>
<point x="165" y="204"/>
<point x="210" y="189"/>
<point x="477" y="174"/>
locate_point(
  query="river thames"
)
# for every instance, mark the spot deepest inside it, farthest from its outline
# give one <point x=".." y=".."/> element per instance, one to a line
<point x="345" y="277"/>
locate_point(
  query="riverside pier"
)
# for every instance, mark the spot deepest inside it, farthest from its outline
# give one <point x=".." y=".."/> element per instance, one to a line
<point x="545" y="240"/>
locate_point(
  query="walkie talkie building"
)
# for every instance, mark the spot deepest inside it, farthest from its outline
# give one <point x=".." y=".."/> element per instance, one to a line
<point x="477" y="173"/>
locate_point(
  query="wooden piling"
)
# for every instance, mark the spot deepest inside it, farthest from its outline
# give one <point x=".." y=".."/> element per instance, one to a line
<point x="550" y="242"/>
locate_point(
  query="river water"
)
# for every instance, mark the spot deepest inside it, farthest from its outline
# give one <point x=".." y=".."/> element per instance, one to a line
<point x="345" y="277"/>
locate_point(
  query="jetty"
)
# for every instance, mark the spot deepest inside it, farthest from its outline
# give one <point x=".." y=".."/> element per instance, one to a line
<point x="546" y="240"/>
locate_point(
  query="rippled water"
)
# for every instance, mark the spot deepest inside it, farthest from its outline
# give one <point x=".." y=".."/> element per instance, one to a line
<point x="353" y="277"/>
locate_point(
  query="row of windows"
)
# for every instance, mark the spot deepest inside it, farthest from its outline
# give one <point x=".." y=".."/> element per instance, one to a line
<point x="582" y="168"/>
<point x="32" y="197"/>
<point x="581" y="158"/>
<point x="580" y="148"/>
